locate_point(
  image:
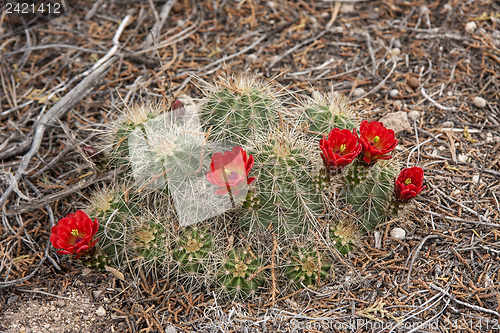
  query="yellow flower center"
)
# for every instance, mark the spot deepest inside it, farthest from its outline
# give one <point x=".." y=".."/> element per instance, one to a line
<point x="75" y="232"/>
<point x="407" y="181"/>
<point x="342" y="148"/>
<point x="376" y="139"/>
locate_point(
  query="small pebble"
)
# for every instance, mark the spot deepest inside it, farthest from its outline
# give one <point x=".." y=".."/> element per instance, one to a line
<point x="479" y="102"/>
<point x="396" y="51"/>
<point x="394" y="93"/>
<point x="462" y="158"/>
<point x="475" y="179"/>
<point x="178" y="7"/>
<point x="413" y="82"/>
<point x="489" y="138"/>
<point x="397" y="43"/>
<point x="252" y="58"/>
<point x="398" y="233"/>
<point x="347" y="8"/>
<point x="358" y="92"/>
<point x="470" y="27"/>
<point x="448" y="124"/>
<point x="60" y="303"/>
<point x="97" y="293"/>
<point x="170" y="329"/>
<point x="338" y="30"/>
<point x="100" y="312"/>
<point x="414" y="115"/>
<point x="456" y="192"/>
<point x="496" y="139"/>
<point x="441" y="148"/>
<point x="12" y="300"/>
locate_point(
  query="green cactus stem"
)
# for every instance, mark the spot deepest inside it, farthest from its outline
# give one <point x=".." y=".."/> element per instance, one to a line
<point x="306" y="267"/>
<point x="240" y="273"/>
<point x="192" y="250"/>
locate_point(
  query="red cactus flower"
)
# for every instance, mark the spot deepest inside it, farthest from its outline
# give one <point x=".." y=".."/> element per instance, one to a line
<point x="340" y="148"/>
<point x="230" y="171"/>
<point x="376" y="140"/>
<point x="74" y="234"/>
<point x="409" y="183"/>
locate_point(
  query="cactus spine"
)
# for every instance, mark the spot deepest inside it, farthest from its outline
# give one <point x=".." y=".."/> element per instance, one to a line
<point x="192" y="250"/>
<point x="240" y="273"/>
<point x="306" y="266"/>
<point x="168" y="158"/>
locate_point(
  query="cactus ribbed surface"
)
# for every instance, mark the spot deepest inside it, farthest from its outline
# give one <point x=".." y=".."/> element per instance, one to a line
<point x="240" y="273"/>
<point x="247" y="144"/>
<point x="307" y="267"/>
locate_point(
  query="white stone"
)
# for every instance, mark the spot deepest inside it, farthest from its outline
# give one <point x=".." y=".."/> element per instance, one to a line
<point x="397" y="121"/>
<point x="347" y="8"/>
<point x="252" y="58"/>
<point x="100" y="312"/>
<point x="496" y="139"/>
<point x="397" y="43"/>
<point x="470" y="27"/>
<point x="170" y="329"/>
<point x="456" y="192"/>
<point x="338" y="30"/>
<point x="396" y="51"/>
<point x="398" y="233"/>
<point x="489" y="138"/>
<point x="448" y="124"/>
<point x="394" y="93"/>
<point x="475" y="179"/>
<point x="462" y="158"/>
<point x="414" y="115"/>
<point x="479" y="102"/>
<point x="358" y="92"/>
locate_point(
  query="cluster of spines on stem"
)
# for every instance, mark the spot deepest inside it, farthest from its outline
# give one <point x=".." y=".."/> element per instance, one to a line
<point x="193" y="249"/>
<point x="239" y="109"/>
<point x="307" y="266"/>
<point x="369" y="190"/>
<point x="285" y="194"/>
<point x="241" y="273"/>
<point x="322" y="112"/>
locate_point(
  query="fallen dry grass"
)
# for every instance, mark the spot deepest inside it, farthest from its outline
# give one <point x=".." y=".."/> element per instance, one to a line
<point x="437" y="56"/>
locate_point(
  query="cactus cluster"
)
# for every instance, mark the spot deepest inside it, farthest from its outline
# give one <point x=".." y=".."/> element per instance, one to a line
<point x="224" y="192"/>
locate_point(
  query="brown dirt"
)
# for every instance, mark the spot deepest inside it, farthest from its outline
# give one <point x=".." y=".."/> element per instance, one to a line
<point x="447" y="269"/>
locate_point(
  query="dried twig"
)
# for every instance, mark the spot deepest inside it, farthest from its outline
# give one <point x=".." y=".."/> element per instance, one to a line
<point x="66" y="103"/>
<point x="160" y="21"/>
